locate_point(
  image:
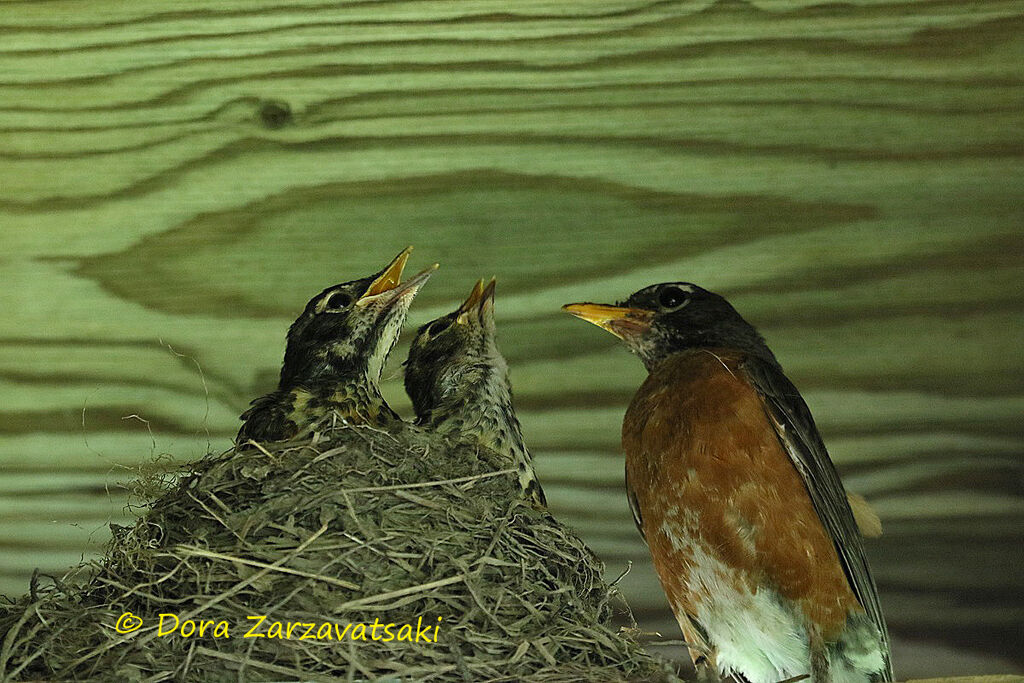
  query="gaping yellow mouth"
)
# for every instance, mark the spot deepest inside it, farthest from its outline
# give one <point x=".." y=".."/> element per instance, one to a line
<point x="391" y="277"/>
<point x="622" y="321"/>
<point x="384" y="292"/>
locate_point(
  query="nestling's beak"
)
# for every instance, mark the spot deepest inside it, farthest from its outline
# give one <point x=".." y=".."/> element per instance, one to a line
<point x="479" y="305"/>
<point x="390" y="277"/>
<point x="487" y="303"/>
<point x="470" y="304"/>
<point x="624" y="322"/>
<point x="405" y="292"/>
<point x="388" y="289"/>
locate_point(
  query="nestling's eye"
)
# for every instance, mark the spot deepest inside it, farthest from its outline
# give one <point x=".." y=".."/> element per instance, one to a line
<point x="671" y="297"/>
<point x="439" y="326"/>
<point x="338" y="300"/>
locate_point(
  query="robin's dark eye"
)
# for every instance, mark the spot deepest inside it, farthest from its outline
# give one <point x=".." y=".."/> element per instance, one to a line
<point x="439" y="326"/>
<point x="339" y="300"/>
<point x="671" y="297"/>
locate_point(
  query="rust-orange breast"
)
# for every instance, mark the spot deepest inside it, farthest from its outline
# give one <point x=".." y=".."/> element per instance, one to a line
<point x="703" y="459"/>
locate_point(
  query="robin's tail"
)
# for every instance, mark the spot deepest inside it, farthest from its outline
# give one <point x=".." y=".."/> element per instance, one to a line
<point x="860" y="654"/>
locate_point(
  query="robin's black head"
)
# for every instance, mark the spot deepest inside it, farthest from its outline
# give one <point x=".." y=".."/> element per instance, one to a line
<point x="348" y="330"/>
<point x="454" y="353"/>
<point x="670" y="317"/>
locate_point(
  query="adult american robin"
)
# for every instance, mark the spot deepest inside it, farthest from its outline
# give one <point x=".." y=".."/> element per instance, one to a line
<point x="459" y="385"/>
<point x="334" y="356"/>
<point x="742" y="509"/>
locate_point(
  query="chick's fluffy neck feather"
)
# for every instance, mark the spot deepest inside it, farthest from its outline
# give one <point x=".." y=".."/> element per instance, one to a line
<point x="476" y="401"/>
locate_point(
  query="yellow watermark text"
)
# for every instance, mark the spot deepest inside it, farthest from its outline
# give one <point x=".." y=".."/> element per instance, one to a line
<point x="261" y="626"/>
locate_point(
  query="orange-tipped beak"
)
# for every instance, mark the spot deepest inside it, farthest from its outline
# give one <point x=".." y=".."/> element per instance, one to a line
<point x="392" y="275"/>
<point x="622" y="321"/>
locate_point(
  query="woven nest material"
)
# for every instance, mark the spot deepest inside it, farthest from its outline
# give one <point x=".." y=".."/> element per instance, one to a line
<point x="353" y="526"/>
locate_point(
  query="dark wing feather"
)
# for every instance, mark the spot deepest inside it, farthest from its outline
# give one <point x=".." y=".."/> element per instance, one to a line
<point x="634" y="507"/>
<point x="266" y="420"/>
<point x="799" y="435"/>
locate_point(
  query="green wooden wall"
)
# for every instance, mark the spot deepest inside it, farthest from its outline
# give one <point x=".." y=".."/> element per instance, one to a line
<point x="177" y="179"/>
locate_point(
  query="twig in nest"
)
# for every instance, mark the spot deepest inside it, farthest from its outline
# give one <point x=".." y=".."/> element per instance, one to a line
<point x="199" y="552"/>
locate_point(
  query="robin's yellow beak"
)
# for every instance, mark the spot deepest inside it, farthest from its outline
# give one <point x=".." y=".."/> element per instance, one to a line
<point x="391" y="277"/>
<point x="622" y="321"/>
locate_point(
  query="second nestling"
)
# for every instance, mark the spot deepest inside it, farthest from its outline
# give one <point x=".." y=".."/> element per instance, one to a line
<point x="459" y="385"/>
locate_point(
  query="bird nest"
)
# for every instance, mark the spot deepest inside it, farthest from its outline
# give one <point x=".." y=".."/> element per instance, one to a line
<point x="388" y="533"/>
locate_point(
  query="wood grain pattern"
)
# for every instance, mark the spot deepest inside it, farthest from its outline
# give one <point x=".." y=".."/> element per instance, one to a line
<point x="176" y="181"/>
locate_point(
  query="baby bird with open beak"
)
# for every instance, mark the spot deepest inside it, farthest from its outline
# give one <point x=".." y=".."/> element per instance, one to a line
<point x="335" y="354"/>
<point x="459" y="385"/>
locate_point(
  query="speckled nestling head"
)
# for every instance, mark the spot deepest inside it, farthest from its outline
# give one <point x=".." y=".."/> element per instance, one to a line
<point x="454" y="352"/>
<point x="349" y="329"/>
